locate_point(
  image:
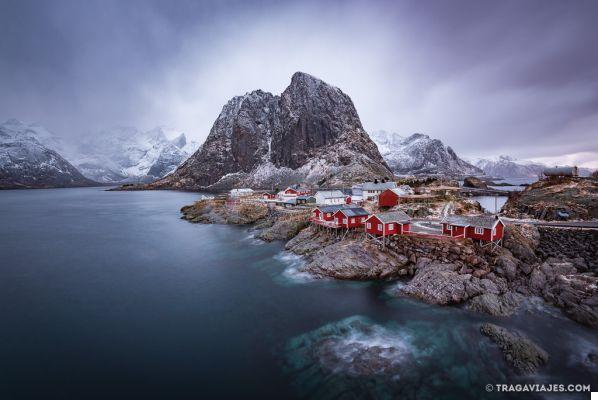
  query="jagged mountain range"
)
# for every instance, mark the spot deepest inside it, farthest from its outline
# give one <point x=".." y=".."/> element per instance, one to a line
<point x="311" y="133"/>
<point x="508" y="167"/>
<point x="127" y="154"/>
<point x="26" y="161"/>
<point x="32" y="156"/>
<point x="418" y="154"/>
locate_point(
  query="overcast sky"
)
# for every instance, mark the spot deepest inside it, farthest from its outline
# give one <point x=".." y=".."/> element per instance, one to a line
<point x="486" y="77"/>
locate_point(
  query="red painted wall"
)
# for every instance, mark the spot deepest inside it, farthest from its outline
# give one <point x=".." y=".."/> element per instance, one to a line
<point x="388" y="198"/>
<point x="499" y="231"/>
<point x="352" y="222"/>
<point x="316" y="213"/>
<point x="373" y="230"/>
<point x="470" y="232"/>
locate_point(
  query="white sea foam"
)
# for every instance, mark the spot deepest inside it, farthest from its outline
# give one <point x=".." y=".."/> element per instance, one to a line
<point x="367" y="349"/>
<point x="292" y="272"/>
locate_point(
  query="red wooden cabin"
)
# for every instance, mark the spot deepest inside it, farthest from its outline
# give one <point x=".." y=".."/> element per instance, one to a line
<point x="386" y="224"/>
<point x="487" y="228"/>
<point x="388" y="198"/>
<point x="351" y="217"/>
<point x="325" y="213"/>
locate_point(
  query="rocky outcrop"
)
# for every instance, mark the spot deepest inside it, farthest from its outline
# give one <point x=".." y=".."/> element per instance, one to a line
<point x="310" y="134"/>
<point x="502" y="305"/>
<point x="213" y="211"/>
<point x="351" y="259"/>
<point x="576" y="294"/>
<point x="473" y="182"/>
<point x="445" y="283"/>
<point x="556" y="199"/>
<point x="285" y="227"/>
<point x="520" y="352"/>
<point x="580" y="247"/>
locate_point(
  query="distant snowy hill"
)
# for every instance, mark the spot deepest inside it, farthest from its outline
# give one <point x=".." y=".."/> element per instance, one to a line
<point x="29" y="159"/>
<point x="419" y="154"/>
<point x="508" y="167"/>
<point x="126" y="154"/>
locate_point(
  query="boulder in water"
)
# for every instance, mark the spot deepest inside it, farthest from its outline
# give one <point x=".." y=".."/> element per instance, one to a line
<point x="519" y="351"/>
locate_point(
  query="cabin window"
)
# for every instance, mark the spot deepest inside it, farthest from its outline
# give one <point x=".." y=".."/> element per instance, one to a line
<point x="328" y="215"/>
<point x="449" y="228"/>
<point x="479" y="231"/>
<point x="368" y="225"/>
<point x="391" y="227"/>
<point x="352" y="220"/>
<point x="345" y="221"/>
<point x="379" y="227"/>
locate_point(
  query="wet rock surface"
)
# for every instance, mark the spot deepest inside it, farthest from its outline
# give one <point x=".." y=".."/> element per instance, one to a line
<point x="216" y="212"/>
<point x="520" y="352"/>
<point x="502" y="305"/>
<point x="349" y="259"/>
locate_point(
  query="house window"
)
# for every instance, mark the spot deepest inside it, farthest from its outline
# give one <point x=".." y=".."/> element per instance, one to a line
<point x="449" y="228"/>
<point x="391" y="227"/>
<point x="327" y="215"/>
<point x="479" y="231"/>
<point x="379" y="227"/>
<point x="368" y="225"/>
<point x="345" y="221"/>
<point x="352" y="220"/>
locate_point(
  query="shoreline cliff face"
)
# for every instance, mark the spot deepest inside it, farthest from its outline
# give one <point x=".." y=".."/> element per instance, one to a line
<point x="310" y="134"/>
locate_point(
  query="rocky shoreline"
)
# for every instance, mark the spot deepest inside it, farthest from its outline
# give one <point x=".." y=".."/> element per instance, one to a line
<point x="497" y="282"/>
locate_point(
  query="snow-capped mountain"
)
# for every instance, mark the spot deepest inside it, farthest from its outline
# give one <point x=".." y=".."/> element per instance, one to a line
<point x="28" y="159"/>
<point x="419" y="154"/>
<point x="126" y="154"/>
<point x="311" y="133"/>
<point x="508" y="167"/>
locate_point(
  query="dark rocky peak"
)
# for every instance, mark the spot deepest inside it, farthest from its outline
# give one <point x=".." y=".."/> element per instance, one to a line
<point x="262" y="139"/>
<point x="314" y="114"/>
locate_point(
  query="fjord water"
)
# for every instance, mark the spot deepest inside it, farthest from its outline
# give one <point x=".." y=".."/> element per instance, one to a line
<point x="111" y="295"/>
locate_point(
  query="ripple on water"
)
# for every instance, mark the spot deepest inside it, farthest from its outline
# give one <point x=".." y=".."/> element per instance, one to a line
<point x="371" y="360"/>
<point x="292" y="274"/>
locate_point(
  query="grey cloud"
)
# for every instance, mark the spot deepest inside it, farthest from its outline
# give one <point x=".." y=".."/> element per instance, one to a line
<point x="487" y="77"/>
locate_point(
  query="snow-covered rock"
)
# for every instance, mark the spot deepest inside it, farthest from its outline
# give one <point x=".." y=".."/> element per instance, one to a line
<point x="311" y="134"/>
<point x="419" y="154"/>
<point x="29" y="159"/>
<point x="127" y="154"/>
<point x="508" y="167"/>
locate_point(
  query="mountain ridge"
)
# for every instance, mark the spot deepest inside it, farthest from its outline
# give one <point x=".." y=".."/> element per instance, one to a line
<point x="311" y="133"/>
<point x="419" y="154"/>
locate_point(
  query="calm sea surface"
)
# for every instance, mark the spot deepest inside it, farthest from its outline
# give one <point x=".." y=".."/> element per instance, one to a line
<point x="110" y="295"/>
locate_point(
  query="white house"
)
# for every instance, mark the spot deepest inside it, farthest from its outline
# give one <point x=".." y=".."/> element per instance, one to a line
<point x="372" y="189"/>
<point x="330" y="197"/>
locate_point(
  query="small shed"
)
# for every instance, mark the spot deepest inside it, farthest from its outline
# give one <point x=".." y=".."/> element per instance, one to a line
<point x="386" y="224"/>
